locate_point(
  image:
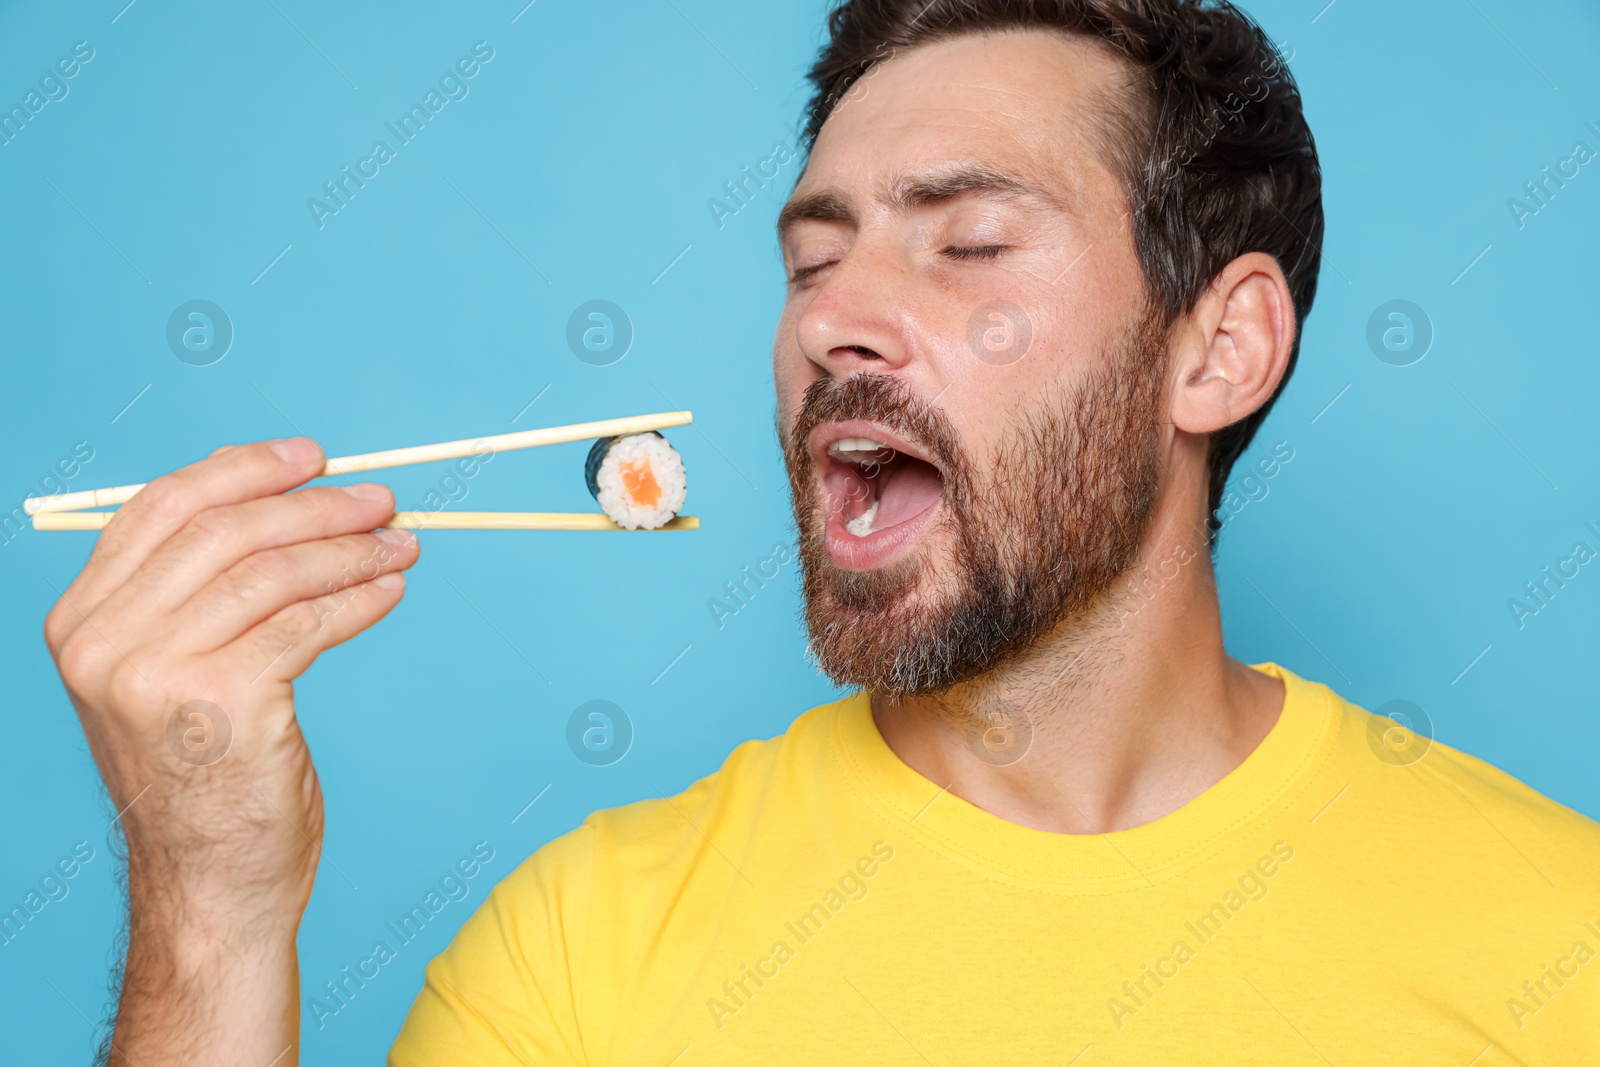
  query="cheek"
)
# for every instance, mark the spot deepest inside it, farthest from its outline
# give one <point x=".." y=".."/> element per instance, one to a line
<point x="987" y="419"/>
<point x="989" y="403"/>
<point x="998" y="361"/>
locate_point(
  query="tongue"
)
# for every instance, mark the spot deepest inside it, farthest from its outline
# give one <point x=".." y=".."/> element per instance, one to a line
<point x="848" y="491"/>
<point x="909" y="488"/>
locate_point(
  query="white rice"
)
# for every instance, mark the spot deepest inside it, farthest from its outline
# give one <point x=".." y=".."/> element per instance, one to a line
<point x="665" y="465"/>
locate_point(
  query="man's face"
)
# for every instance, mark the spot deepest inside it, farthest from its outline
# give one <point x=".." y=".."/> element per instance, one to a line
<point x="964" y="291"/>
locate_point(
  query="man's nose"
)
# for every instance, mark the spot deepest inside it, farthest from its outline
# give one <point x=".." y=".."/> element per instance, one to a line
<point x="863" y="315"/>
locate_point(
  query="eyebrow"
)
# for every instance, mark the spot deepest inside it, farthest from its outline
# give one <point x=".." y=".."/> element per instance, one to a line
<point x="913" y="191"/>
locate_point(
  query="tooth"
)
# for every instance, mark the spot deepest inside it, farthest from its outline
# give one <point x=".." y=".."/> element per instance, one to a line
<point x="857" y="444"/>
<point x="861" y="525"/>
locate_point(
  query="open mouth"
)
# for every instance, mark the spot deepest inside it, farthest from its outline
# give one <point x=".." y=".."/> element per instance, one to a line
<point x="881" y="491"/>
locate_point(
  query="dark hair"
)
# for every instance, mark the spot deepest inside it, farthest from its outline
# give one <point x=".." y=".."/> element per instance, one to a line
<point x="1209" y="141"/>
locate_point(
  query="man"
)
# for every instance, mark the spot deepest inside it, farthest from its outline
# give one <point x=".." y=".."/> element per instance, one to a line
<point x="1047" y="265"/>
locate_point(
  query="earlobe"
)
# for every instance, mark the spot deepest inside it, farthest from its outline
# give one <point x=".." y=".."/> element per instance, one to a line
<point x="1235" y="348"/>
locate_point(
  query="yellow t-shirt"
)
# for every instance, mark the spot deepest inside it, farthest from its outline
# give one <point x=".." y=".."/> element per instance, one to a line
<point x="818" y="901"/>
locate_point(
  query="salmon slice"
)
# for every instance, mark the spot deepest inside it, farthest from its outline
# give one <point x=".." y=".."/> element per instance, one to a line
<point x="640" y="480"/>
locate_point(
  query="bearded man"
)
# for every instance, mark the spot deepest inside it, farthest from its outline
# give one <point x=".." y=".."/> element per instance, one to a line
<point x="1048" y="261"/>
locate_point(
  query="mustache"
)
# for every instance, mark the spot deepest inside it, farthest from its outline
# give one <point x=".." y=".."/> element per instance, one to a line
<point x="878" y="398"/>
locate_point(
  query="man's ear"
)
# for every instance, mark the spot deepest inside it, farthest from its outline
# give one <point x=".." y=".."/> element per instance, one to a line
<point x="1231" y="351"/>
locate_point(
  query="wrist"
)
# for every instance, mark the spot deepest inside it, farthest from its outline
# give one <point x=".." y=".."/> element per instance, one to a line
<point x="200" y="987"/>
<point x="191" y="947"/>
<point x="197" y="908"/>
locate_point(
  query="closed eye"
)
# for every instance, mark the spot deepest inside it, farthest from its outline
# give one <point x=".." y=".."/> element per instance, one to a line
<point x="803" y="273"/>
<point x="964" y="253"/>
<point x="973" y="252"/>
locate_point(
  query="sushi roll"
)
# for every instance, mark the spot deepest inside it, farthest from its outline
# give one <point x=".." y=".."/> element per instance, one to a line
<point x="637" y="479"/>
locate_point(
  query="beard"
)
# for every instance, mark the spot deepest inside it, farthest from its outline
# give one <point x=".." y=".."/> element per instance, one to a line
<point x="1035" y="535"/>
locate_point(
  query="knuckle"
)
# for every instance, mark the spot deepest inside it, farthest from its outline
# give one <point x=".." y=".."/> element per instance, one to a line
<point x="167" y="498"/>
<point x="213" y="529"/>
<point x="257" y="575"/>
<point x="84" y="659"/>
<point x="125" y="687"/>
<point x="294" y="624"/>
<point x="58" y="626"/>
<point x="306" y="619"/>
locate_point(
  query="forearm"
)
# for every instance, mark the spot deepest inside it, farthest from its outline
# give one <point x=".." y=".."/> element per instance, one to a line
<point x="196" y="990"/>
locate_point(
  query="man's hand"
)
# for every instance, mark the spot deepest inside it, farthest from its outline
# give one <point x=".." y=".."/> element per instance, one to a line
<point x="207" y="595"/>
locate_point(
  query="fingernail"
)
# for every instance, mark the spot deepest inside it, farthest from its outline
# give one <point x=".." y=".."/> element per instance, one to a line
<point x="397" y="538"/>
<point x="392" y="580"/>
<point x="295" y="449"/>
<point x="367" y="491"/>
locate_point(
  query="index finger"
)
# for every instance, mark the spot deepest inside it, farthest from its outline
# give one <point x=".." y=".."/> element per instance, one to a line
<point x="162" y="508"/>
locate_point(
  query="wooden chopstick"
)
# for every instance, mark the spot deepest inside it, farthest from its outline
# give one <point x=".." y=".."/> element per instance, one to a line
<point x="399" y="457"/>
<point x="416" y="520"/>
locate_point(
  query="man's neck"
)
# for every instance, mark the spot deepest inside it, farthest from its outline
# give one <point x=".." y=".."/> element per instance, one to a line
<point x="1123" y="714"/>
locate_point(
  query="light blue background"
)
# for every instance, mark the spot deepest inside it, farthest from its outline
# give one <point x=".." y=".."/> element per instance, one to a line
<point x="434" y="307"/>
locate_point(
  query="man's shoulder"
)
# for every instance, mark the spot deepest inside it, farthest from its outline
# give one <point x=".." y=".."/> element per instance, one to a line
<point x="761" y="781"/>
<point x="756" y="775"/>
<point x="1447" y="795"/>
<point x="563" y="933"/>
